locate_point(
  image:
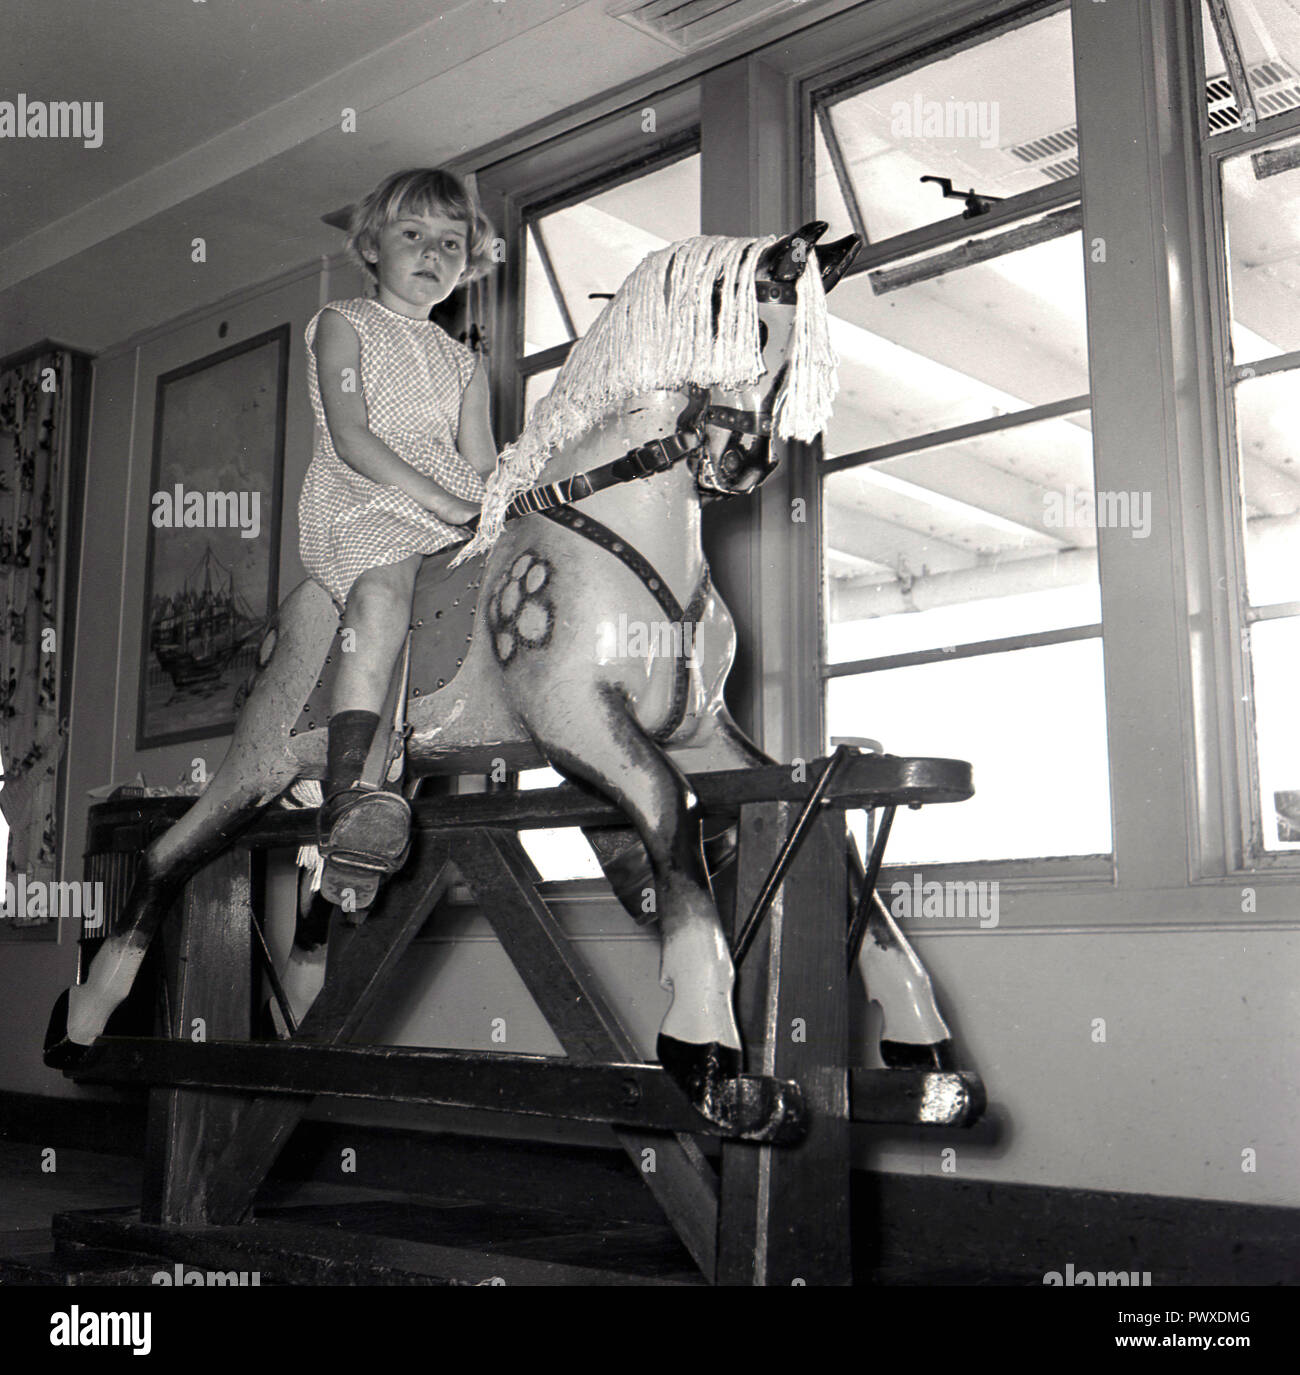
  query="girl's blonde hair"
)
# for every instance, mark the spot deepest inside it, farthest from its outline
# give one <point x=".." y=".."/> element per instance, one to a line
<point x="422" y="191"/>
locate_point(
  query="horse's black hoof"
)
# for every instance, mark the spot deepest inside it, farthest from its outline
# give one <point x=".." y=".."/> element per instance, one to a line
<point x="699" y="1068"/>
<point x="751" y="1107"/>
<point x="935" y="1055"/>
<point x="61" y="1051"/>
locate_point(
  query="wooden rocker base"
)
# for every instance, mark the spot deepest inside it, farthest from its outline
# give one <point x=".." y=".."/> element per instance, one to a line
<point x="769" y="1213"/>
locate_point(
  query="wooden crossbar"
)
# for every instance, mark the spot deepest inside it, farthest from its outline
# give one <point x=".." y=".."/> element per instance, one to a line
<point x="862" y="781"/>
<point x="621" y="1094"/>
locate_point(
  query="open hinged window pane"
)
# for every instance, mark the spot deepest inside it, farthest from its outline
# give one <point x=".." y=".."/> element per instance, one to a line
<point x="997" y="118"/>
<point x="1256" y="42"/>
<point x="1275" y="652"/>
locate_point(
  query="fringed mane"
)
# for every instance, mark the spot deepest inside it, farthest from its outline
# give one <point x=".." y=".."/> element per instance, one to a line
<point x="659" y="334"/>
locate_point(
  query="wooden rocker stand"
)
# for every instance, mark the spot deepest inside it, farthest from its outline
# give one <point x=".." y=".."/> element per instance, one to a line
<point x="221" y="1109"/>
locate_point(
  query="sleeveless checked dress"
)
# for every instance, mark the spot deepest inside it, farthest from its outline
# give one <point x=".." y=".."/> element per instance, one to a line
<point x="413" y="376"/>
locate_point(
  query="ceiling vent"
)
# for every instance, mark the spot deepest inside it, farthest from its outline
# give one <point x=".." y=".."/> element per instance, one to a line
<point x="689" y="25"/>
<point x="1055" y="155"/>
<point x="1275" y="85"/>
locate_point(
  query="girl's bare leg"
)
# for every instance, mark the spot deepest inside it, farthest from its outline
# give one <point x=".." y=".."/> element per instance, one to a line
<point x="364" y="837"/>
<point x="377" y="614"/>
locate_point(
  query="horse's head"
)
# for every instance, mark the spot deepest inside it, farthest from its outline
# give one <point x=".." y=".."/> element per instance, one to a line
<point x="736" y="456"/>
<point x="754" y="363"/>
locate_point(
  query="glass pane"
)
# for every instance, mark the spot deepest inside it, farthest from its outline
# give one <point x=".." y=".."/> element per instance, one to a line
<point x="1268" y="420"/>
<point x="1031" y="722"/>
<point x="592" y="246"/>
<point x="1261" y="218"/>
<point x="989" y="537"/>
<point x="544" y="322"/>
<point x="1275" y="651"/>
<point x="559" y="852"/>
<point x="967" y="345"/>
<point x="997" y="118"/>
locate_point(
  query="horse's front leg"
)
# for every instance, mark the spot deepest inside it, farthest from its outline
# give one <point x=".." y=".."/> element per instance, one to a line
<point x="699" y="1042"/>
<point x="913" y="1033"/>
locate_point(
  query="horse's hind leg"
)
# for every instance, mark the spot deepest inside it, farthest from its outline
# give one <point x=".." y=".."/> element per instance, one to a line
<point x="257" y="767"/>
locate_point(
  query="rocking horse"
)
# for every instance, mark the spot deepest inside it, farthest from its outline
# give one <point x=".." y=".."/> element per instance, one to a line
<point x="711" y="348"/>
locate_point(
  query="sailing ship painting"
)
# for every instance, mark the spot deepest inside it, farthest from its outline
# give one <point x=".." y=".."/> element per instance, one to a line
<point x="196" y="634"/>
<point x="210" y="584"/>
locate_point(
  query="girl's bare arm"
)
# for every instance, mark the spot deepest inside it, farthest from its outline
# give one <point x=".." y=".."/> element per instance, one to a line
<point x="338" y="349"/>
<point x="474" y="437"/>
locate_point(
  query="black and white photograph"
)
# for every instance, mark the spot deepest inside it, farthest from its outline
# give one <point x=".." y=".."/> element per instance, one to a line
<point x="650" y="644"/>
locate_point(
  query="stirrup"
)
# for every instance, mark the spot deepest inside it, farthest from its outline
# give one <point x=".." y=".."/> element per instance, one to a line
<point x="364" y="835"/>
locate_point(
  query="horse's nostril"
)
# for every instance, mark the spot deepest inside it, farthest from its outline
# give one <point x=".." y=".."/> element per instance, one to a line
<point x="762" y="334"/>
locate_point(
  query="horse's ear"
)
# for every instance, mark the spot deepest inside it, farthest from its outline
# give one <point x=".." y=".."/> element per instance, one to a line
<point x="834" y="259"/>
<point x="785" y="259"/>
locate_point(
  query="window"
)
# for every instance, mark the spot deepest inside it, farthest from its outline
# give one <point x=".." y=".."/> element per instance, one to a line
<point x="578" y="248"/>
<point x="1260" y="202"/>
<point x="961" y="601"/>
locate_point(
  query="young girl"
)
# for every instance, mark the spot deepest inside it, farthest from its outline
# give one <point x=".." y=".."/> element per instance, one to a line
<point x="403" y="445"/>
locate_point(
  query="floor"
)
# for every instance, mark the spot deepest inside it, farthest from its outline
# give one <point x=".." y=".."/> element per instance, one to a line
<point x="37" y="1183"/>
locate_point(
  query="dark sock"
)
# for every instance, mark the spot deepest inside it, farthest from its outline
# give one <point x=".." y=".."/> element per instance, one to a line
<point x="351" y="735"/>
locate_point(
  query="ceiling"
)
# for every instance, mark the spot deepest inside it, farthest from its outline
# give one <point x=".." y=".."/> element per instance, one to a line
<point x="223" y="120"/>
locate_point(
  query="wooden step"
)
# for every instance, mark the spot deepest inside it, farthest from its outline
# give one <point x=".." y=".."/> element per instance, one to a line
<point x="401" y="1242"/>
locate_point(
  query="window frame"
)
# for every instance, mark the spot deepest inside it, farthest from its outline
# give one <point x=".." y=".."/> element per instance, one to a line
<point x="1047" y="893"/>
<point x="1241" y="820"/>
<point x="820" y="93"/>
<point x="674" y="147"/>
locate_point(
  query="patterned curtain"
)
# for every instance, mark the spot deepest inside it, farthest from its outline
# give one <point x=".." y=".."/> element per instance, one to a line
<point x="35" y="416"/>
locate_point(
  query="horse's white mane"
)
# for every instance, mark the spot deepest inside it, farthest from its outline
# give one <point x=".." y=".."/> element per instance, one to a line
<point x="658" y="334"/>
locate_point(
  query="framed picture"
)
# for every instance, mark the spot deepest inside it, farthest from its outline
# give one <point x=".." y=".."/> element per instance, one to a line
<point x="214" y="536"/>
